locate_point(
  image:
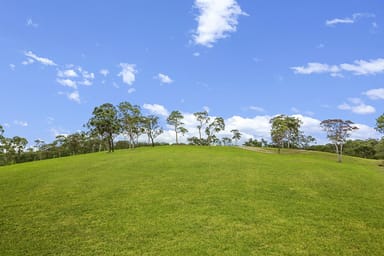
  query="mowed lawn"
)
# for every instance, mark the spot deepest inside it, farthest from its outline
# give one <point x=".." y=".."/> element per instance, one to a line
<point x="184" y="200"/>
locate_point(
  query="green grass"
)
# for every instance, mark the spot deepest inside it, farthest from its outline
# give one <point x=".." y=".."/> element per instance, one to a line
<point x="193" y="201"/>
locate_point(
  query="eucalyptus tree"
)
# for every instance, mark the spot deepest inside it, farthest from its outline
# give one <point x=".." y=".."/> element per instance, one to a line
<point x="152" y="127"/>
<point x="380" y="124"/>
<point x="338" y="131"/>
<point x="236" y="135"/>
<point x="175" y="119"/>
<point x="285" y="129"/>
<point x="19" y="144"/>
<point x="203" y="119"/>
<point x="105" y="123"/>
<point x="131" y="121"/>
<point x="213" y="128"/>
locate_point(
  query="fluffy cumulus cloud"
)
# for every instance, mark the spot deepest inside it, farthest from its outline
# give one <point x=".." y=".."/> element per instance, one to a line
<point x="67" y="73"/>
<point x="349" y="20"/>
<point x="156" y="109"/>
<point x="358" y="67"/>
<point x="375" y="94"/>
<point x="364" y="132"/>
<point x="128" y="73"/>
<point x="33" y="57"/>
<point x="164" y="79"/>
<point x="74" y="96"/>
<point x="357" y="106"/>
<point x="216" y="19"/>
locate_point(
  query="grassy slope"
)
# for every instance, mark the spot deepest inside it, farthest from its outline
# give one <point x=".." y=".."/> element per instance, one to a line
<point x="192" y="201"/>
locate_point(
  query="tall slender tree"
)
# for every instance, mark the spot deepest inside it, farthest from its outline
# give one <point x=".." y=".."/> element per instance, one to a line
<point x="236" y="135"/>
<point x="175" y="119"/>
<point x="203" y="119"/>
<point x="152" y="128"/>
<point x="213" y="128"/>
<point x="130" y="120"/>
<point x="338" y="131"/>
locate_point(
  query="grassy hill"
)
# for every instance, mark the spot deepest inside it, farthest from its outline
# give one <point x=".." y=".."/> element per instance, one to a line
<point x="182" y="200"/>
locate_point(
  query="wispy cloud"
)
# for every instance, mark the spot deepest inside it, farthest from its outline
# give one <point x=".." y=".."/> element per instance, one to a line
<point x="128" y="73"/>
<point x="349" y="20"/>
<point x="12" y="67"/>
<point x="217" y="18"/>
<point x="375" y="94"/>
<point x="256" y="108"/>
<point x="164" y="79"/>
<point x="31" y="23"/>
<point x="20" y="123"/>
<point x="358" y="67"/>
<point x="357" y="106"/>
<point x="42" y="60"/>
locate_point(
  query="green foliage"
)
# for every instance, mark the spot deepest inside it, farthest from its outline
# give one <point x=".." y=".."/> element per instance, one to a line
<point x="285" y="130"/>
<point x="380" y="124"/>
<point x="175" y="119"/>
<point x="105" y="123"/>
<point x="192" y="201"/>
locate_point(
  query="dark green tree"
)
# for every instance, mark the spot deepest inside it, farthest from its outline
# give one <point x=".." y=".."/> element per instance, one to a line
<point x="105" y="123"/>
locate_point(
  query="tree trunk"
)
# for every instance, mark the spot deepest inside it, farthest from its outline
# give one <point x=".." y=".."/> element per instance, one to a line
<point x="177" y="140"/>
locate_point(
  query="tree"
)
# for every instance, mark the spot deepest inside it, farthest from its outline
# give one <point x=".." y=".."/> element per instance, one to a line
<point x="203" y="119"/>
<point x="130" y="120"/>
<point x="19" y="144"/>
<point x="380" y="124"/>
<point x="152" y="127"/>
<point x="338" y="131"/>
<point x="285" y="129"/>
<point x="226" y="141"/>
<point x="174" y="119"/>
<point x="213" y="128"/>
<point x="236" y="135"/>
<point x="105" y="122"/>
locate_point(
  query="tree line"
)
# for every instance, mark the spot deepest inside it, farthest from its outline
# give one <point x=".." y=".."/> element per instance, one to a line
<point x="126" y="119"/>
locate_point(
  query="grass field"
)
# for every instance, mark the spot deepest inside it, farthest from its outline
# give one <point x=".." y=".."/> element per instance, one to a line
<point x="181" y="200"/>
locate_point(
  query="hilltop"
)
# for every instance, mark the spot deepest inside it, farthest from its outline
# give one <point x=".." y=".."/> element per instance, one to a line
<point x="190" y="200"/>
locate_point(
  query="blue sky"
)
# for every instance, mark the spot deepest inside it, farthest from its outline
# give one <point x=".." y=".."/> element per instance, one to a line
<point x="243" y="60"/>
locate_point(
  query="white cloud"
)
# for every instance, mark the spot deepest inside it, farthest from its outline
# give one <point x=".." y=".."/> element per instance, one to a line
<point x="164" y="79"/>
<point x="12" y="67"/>
<point x="74" y="96"/>
<point x="20" y="123"/>
<point x="67" y="73"/>
<point x="357" y="106"/>
<point x="27" y="61"/>
<point x="362" y="67"/>
<point x="86" y="82"/>
<point x="44" y="61"/>
<point x="206" y="108"/>
<point x="67" y="82"/>
<point x="359" y="67"/>
<point x="349" y="20"/>
<point x="156" y="109"/>
<point x="315" y="68"/>
<point x="339" y="21"/>
<point x="128" y="73"/>
<point x="32" y="24"/>
<point x="375" y="94"/>
<point x="104" y="72"/>
<point x="256" y="108"/>
<point x="364" y="132"/>
<point x="131" y="90"/>
<point x="217" y="18"/>
<point x="196" y="54"/>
